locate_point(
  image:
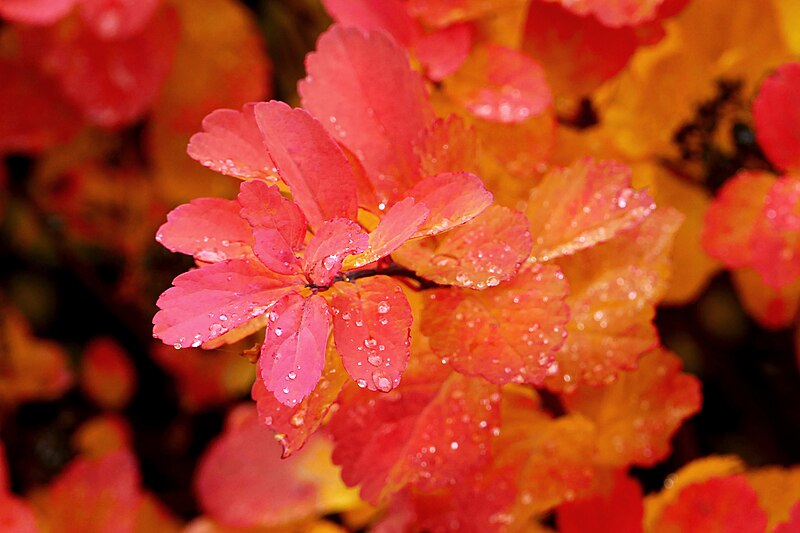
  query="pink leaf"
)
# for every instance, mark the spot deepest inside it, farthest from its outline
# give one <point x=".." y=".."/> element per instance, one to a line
<point x="775" y="241"/>
<point x="309" y="161"/>
<point x="390" y="16"/>
<point x="776" y="111"/>
<point x="207" y="302"/>
<point x="444" y="51"/>
<point x="231" y="144"/>
<point x="208" y="229"/>
<point x="327" y="249"/>
<point x="117" y="19"/>
<point x="377" y="113"/>
<point x="371" y="327"/>
<point x="398" y="225"/>
<point x="39" y="12"/>
<point x="293" y="353"/>
<point x="453" y="199"/>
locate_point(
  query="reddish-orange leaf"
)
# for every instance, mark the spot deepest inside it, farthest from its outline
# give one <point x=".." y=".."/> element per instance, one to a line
<point x="42" y="12"/>
<point x="16" y="516"/>
<point x="778" y="492"/>
<point x="793" y="523"/>
<point x="294" y="426"/>
<point x="427" y="434"/>
<point x="309" y="161"/>
<point x="207" y="302"/>
<point x="209" y="229"/>
<point x="500" y="84"/>
<point x="231" y="144"/>
<point x="327" y="249"/>
<point x="453" y="198"/>
<point x="613" y="290"/>
<point x="444" y="51"/>
<point x="293" y="352"/>
<point x="117" y="19"/>
<point x="107" y="375"/>
<point x="776" y="111"/>
<point x="440" y="13"/>
<point x="719" y="505"/>
<point x="615" y="13"/>
<point x="242" y="482"/>
<point x="578" y="52"/>
<point x="504" y="334"/>
<point x="732" y="216"/>
<point x="377" y="113"/>
<point x="398" y="225"/>
<point x="484" y="252"/>
<point x="637" y="415"/>
<point x="579" y="206"/>
<point x="112" y="82"/>
<point x="448" y="145"/>
<point x="620" y="510"/>
<point x="94" y="495"/>
<point x="390" y="16"/>
<point x="775" y="241"/>
<point x="101" y="435"/>
<point x="371" y="327"/>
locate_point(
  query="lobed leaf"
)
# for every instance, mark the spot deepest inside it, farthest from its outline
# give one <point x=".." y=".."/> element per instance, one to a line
<point x="371" y="327"/>
<point x="452" y="198"/>
<point x="309" y="161"/>
<point x="776" y="112"/>
<point x="206" y="303"/>
<point x="480" y="254"/>
<point x="209" y="229"/>
<point x="376" y="113"/>
<point x="231" y="144"/>
<point x="293" y="352"/>
<point x="585" y="204"/>
<point x="504" y="334"/>
<point x="328" y="248"/>
<point x="426" y="434"/>
<point x="637" y="415"/>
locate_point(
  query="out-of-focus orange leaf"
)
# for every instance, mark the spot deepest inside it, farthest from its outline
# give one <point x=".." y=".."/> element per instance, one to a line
<point x="613" y="291"/>
<point x="101" y="435"/>
<point x="30" y="368"/>
<point x="619" y="510"/>
<point x="504" y="334"/>
<point x="772" y="308"/>
<point x="152" y="516"/>
<point x="482" y="253"/>
<point x="793" y="523"/>
<point x="789" y="16"/>
<point x="429" y="434"/>
<point x="637" y="415"/>
<point x="723" y="504"/>
<point x="582" y="205"/>
<point x="778" y="491"/>
<point x="776" y="112"/>
<point x="107" y="374"/>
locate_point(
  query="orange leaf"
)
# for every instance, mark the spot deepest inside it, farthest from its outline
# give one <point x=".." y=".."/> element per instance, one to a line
<point x="107" y="374"/>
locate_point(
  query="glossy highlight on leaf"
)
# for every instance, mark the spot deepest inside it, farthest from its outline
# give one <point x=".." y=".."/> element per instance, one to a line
<point x="504" y="334"/>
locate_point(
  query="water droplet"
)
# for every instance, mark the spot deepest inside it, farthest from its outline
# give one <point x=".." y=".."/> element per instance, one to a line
<point x="383" y="308"/>
<point x="291" y="375"/>
<point x="454" y="445"/>
<point x="375" y="360"/>
<point x="278" y="332"/>
<point x="382" y="383"/>
<point x="369" y="342"/>
<point x="286" y="390"/>
<point x="177" y="346"/>
<point x="361" y="383"/>
<point x="330" y="262"/>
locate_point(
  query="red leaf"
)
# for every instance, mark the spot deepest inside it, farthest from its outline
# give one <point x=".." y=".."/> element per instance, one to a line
<point x="776" y="112"/>
<point x="16" y="516"/>
<point x="453" y="198"/>
<point x="775" y="241"/>
<point x="621" y="510"/>
<point x="377" y="113"/>
<point x="112" y="82"/>
<point x="371" y="327"/>
<point x="615" y="13"/>
<point x="327" y="249"/>
<point x="390" y="16"/>
<point x="504" y="334"/>
<point x="95" y="495"/>
<point x="209" y="229"/>
<point x="293" y="352"/>
<point x="793" y="523"/>
<point x="231" y="144"/>
<point x="578" y="52"/>
<point x="429" y="435"/>
<point x="613" y="291"/>
<point x="722" y="504"/>
<point x="279" y="225"/>
<point x="577" y="207"/>
<point x="117" y="19"/>
<point x="397" y="226"/>
<point x="309" y="161"/>
<point x="732" y="216"/>
<point x="207" y="302"/>
<point x="108" y="376"/>
<point x="444" y="51"/>
<point x="241" y="481"/>
<point x="40" y="12"/>
<point x="480" y="254"/>
<point x="293" y="426"/>
<point x="500" y="84"/>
